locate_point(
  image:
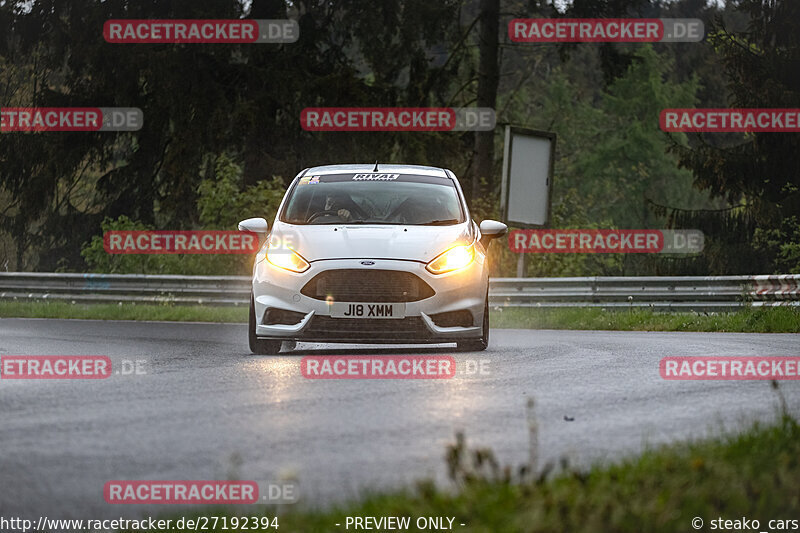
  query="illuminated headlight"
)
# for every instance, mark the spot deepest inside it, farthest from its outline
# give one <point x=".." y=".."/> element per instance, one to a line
<point x="455" y="258"/>
<point x="284" y="257"/>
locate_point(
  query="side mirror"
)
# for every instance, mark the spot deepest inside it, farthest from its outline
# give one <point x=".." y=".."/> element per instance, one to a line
<point x="256" y="225"/>
<point x="491" y="229"/>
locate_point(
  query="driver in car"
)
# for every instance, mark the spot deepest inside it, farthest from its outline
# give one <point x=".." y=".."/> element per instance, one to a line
<point x="341" y="203"/>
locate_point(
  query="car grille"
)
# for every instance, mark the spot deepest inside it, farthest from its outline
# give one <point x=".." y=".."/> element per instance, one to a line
<point x="407" y="329"/>
<point x="359" y="285"/>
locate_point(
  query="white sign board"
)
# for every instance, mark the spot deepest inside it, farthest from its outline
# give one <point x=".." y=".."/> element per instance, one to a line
<point x="527" y="177"/>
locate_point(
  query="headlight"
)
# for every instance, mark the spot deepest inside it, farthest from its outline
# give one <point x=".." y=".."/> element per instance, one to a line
<point x="286" y="258"/>
<point x="453" y="259"/>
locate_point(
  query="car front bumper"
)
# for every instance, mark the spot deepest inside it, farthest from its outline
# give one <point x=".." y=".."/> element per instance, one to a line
<point x="462" y="290"/>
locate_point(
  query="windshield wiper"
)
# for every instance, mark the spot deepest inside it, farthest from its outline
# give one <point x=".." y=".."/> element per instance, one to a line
<point x="362" y="221"/>
<point x="446" y="222"/>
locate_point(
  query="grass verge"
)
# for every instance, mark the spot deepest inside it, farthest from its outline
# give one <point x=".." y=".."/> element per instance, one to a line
<point x="755" y="474"/>
<point x="748" y="320"/>
<point x="178" y="313"/>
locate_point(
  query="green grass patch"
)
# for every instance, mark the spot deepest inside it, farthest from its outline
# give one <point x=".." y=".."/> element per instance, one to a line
<point x="747" y="320"/>
<point x="127" y="311"/>
<point x="754" y="474"/>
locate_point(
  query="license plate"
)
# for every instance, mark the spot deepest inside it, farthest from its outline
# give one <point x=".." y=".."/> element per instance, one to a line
<point x="348" y="310"/>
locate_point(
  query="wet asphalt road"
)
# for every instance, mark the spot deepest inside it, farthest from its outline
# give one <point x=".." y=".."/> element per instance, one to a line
<point x="207" y="409"/>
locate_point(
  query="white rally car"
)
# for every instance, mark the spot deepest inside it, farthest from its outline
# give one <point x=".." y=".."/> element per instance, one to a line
<point x="371" y="254"/>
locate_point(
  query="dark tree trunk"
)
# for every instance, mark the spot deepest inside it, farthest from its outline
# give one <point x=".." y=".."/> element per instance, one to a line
<point x="488" y="79"/>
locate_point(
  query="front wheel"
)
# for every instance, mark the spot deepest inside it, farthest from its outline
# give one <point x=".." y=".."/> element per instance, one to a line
<point x="478" y="345"/>
<point x="259" y="346"/>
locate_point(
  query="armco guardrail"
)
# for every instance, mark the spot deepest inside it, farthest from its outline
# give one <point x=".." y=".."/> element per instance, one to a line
<point x="113" y="288"/>
<point x="663" y="292"/>
<point x="685" y="292"/>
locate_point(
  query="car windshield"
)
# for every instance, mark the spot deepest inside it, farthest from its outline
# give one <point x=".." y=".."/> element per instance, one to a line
<point x="373" y="198"/>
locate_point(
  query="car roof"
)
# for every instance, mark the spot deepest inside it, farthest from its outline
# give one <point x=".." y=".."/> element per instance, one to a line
<point x="419" y="170"/>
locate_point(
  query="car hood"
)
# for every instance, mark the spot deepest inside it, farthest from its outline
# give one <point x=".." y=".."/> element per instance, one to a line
<point x="370" y="241"/>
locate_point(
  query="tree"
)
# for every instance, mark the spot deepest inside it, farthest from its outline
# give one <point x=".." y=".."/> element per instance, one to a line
<point x="488" y="80"/>
<point x="758" y="171"/>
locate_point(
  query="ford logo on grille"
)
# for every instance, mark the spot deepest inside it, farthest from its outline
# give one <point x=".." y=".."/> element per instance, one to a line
<point x="367" y="263"/>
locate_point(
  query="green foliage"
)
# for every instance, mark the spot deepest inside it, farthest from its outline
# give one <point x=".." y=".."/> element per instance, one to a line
<point x="782" y="243"/>
<point x="758" y="171"/>
<point x="100" y="261"/>
<point x="202" y="99"/>
<point x="752" y="474"/>
<point x="629" y="162"/>
<point x="611" y="159"/>
<point x="603" y="101"/>
<point x="615" y="153"/>
<point x="570" y="213"/>
<point x="221" y="204"/>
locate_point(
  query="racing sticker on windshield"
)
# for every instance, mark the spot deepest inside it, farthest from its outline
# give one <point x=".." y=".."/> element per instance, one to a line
<point x="309" y="180"/>
<point x="376" y="177"/>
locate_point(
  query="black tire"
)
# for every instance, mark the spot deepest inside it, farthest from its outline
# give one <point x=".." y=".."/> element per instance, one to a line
<point x="260" y="346"/>
<point x="478" y="345"/>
